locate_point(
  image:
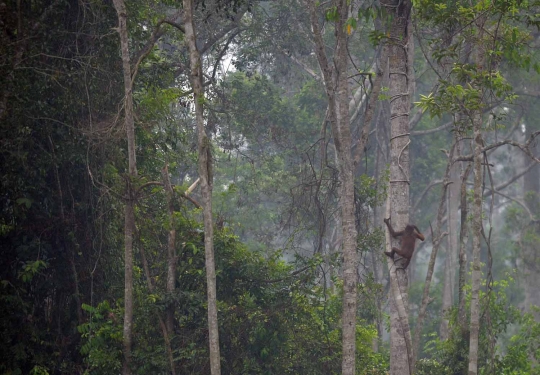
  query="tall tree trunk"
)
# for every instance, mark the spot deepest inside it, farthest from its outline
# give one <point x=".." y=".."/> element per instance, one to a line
<point x="437" y="239"/>
<point x="380" y="166"/>
<point x="531" y="194"/>
<point x="400" y="332"/>
<point x="336" y="87"/>
<point x="401" y="357"/>
<point x="476" y="214"/>
<point x="348" y="221"/>
<point x="205" y="174"/>
<point x="463" y="241"/>
<point x="171" y="253"/>
<point x="162" y="323"/>
<point x="477" y="232"/>
<point x="381" y="157"/>
<point x="451" y="250"/>
<point x="129" y="221"/>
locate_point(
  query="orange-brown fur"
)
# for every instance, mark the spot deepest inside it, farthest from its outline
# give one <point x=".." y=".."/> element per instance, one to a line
<point x="408" y="239"/>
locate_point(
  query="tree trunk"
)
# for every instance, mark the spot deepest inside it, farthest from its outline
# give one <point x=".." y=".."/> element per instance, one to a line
<point x="529" y="252"/>
<point x="401" y="346"/>
<point x="129" y="224"/>
<point x="205" y="174"/>
<point x="477" y="232"/>
<point x="162" y="324"/>
<point x="378" y="213"/>
<point x="128" y="281"/>
<point x="463" y="241"/>
<point x="171" y="253"/>
<point x="348" y="221"/>
<point x="437" y="238"/>
<point x="476" y="216"/>
<point x="337" y="91"/>
<point x="401" y="356"/>
<point x="451" y="250"/>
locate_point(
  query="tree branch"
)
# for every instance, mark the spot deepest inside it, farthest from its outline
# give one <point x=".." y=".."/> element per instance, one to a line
<point x="513" y="178"/>
<point x="522" y="146"/>
<point x="430" y="131"/>
<point x="156" y="34"/>
<point x="421" y="198"/>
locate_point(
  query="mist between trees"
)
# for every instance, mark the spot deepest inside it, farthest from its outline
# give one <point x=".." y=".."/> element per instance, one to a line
<point x="202" y="187"/>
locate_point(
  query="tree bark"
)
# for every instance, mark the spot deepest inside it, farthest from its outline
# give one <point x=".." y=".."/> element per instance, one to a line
<point x="531" y="190"/>
<point x="378" y="213"/>
<point x="463" y="241"/>
<point x="477" y="232"/>
<point x="129" y="220"/>
<point x="476" y="216"/>
<point x="337" y="91"/>
<point x="128" y="282"/>
<point x="162" y="324"/>
<point x="348" y="221"/>
<point x="401" y="357"/>
<point x="171" y="254"/>
<point x="400" y="333"/>
<point x="205" y="174"/>
<point x="437" y="238"/>
<point x="451" y="250"/>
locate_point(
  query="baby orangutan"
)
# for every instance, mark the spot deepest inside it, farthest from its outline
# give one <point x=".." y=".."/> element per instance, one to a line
<point x="409" y="236"/>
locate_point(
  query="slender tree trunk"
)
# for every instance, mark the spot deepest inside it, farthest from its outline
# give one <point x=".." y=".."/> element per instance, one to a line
<point x="162" y="324"/>
<point x="376" y="257"/>
<point x="380" y="166"/>
<point x="401" y="357"/>
<point x="477" y="231"/>
<point x="129" y="224"/>
<point x="452" y="248"/>
<point x="463" y="241"/>
<point x="447" y="64"/>
<point x="205" y="174"/>
<point x="171" y="253"/>
<point x="128" y="282"/>
<point x="437" y="239"/>
<point x="476" y="216"/>
<point x="336" y="86"/>
<point x="348" y="221"/>
<point x="529" y="249"/>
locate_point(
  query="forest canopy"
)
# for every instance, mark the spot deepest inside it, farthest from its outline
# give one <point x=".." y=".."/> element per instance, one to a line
<point x="269" y="187"/>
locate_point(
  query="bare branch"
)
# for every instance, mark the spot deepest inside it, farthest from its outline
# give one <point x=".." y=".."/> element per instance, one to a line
<point x="301" y="64"/>
<point x="517" y="200"/>
<point x="156" y="34"/>
<point x="193" y="186"/>
<point x="370" y="110"/>
<point x="421" y="197"/>
<point x="233" y="25"/>
<point x="416" y="119"/>
<point x="514" y="178"/>
<point x="522" y="146"/>
<point x="430" y="131"/>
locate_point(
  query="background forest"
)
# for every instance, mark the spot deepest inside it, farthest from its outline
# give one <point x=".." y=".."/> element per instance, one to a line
<point x="200" y="186"/>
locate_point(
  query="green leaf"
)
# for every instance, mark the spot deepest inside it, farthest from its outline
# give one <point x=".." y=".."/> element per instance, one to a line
<point x="332" y="14"/>
<point x="26" y="201"/>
